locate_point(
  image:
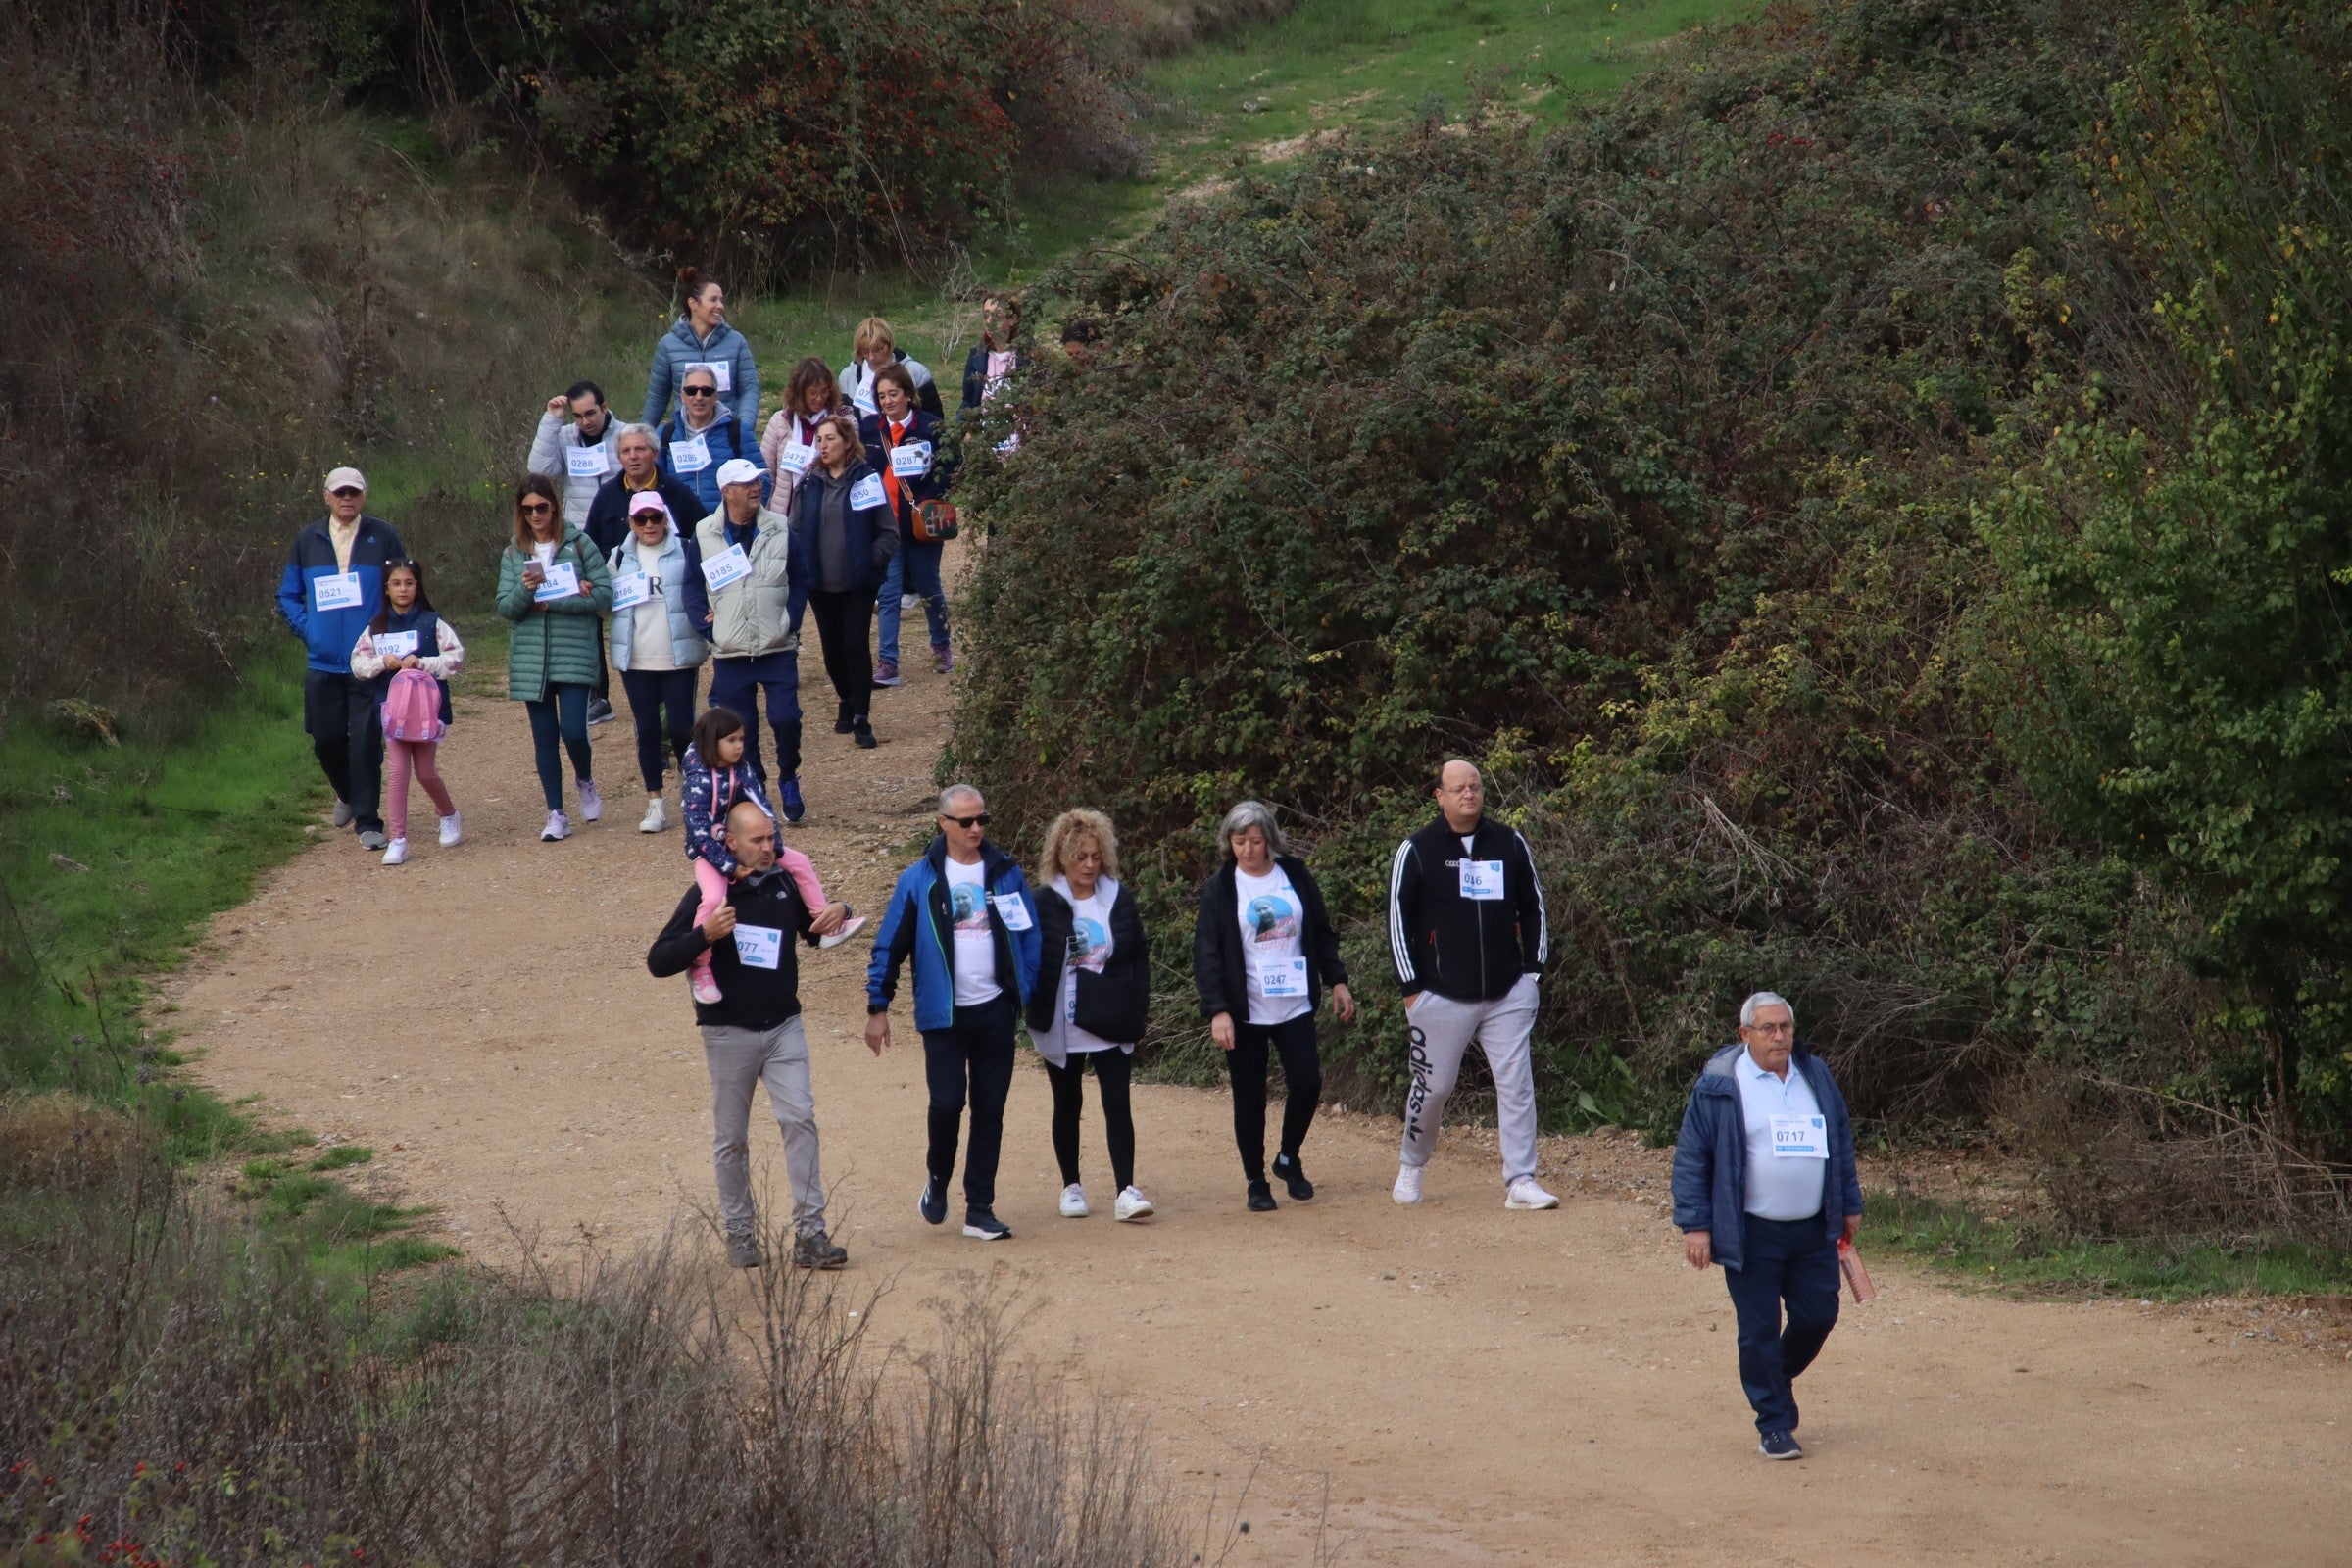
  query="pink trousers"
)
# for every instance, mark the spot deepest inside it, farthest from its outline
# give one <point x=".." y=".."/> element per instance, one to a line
<point x="399" y="757"/>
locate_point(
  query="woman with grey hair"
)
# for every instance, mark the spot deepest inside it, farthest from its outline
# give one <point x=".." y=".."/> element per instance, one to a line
<point x="1263" y="952"/>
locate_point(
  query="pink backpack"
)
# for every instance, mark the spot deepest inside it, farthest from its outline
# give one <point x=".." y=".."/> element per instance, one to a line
<point x="412" y="708"/>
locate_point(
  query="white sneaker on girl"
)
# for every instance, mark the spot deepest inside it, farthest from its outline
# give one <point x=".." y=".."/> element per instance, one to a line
<point x="453" y="830"/>
<point x="1073" y="1203"/>
<point x="1132" y="1205"/>
<point x="395" y="853"/>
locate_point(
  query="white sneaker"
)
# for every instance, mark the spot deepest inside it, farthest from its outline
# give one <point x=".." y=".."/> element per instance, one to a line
<point x="343" y="814"/>
<point x="909" y="601"/>
<point x="1408" y="1185"/>
<point x="453" y="830"/>
<point x="592" y="805"/>
<point x="849" y="928"/>
<point x="1073" y="1203"/>
<point x="395" y="853"/>
<point x="1525" y="1194"/>
<point x="1132" y="1205"/>
<point x="558" y="826"/>
<point x="656" y="818"/>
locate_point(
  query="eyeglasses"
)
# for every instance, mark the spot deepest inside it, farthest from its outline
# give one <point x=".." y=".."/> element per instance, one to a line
<point x="965" y="822"/>
<point x="537" y="508"/>
<point x="701" y="392"/>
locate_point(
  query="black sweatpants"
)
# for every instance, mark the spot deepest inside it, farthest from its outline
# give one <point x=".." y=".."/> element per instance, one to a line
<point x="1301" y="1069"/>
<point x="1112" y="1071"/>
<point x="978" y="1046"/>
<point x="339" y="714"/>
<point x="842" y="621"/>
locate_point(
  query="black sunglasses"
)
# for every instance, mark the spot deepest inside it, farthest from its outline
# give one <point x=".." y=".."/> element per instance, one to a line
<point x="966" y="821"/>
<point x="532" y="509"/>
<point x="701" y="392"/>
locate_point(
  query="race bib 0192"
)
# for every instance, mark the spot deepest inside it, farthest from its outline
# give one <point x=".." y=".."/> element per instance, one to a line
<point x="337" y="590"/>
<point x="1482" y="879"/>
<point x="758" y="947"/>
<point x="395" y="644"/>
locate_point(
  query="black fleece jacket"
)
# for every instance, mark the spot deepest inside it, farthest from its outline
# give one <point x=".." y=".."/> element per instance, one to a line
<point x="753" y="998"/>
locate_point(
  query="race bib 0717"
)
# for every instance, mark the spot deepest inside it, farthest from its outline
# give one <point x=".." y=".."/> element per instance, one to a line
<point x="1800" y="1138"/>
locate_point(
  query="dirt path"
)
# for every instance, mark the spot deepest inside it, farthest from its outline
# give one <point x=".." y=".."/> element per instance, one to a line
<point x="1480" y="1387"/>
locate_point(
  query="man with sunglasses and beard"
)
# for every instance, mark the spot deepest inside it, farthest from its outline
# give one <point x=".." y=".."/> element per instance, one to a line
<point x="964" y="916"/>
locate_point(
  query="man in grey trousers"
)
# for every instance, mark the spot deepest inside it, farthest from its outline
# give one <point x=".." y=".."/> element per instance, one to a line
<point x="1466" y="928"/>
<point x="754" y="1035"/>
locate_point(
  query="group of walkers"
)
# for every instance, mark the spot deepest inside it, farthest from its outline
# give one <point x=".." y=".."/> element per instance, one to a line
<point x="659" y="547"/>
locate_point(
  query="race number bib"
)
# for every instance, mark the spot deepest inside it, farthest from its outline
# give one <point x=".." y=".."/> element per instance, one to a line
<point x="729" y="566"/>
<point x="584" y="462"/>
<point x="864" y="398"/>
<point x="721" y="370"/>
<point x="1800" y="1138"/>
<point x="1482" y="879"/>
<point x="689" y="455"/>
<point x="631" y="591"/>
<point x="563" y="581"/>
<point x="337" y="590"/>
<point x="1284" y="979"/>
<point x="866" y="492"/>
<point x="912" y="461"/>
<point x="758" y="947"/>
<point x="795" y="456"/>
<point x="1012" y="910"/>
<point x="395" y="644"/>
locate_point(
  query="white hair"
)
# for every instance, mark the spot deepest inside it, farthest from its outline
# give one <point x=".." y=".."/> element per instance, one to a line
<point x="956" y="792"/>
<point x="1760" y="1001"/>
<point x="652" y="436"/>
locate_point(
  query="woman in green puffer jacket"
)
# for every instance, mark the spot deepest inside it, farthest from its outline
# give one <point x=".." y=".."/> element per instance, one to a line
<point x="551" y="659"/>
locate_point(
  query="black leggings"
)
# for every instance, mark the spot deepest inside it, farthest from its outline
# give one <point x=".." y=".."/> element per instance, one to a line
<point x="1112" y="1070"/>
<point x="656" y="696"/>
<point x="1301" y="1069"/>
<point x="842" y="621"/>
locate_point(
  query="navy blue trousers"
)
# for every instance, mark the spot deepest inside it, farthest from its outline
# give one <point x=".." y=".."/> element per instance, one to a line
<point x="978" y="1045"/>
<point x="1787" y="1260"/>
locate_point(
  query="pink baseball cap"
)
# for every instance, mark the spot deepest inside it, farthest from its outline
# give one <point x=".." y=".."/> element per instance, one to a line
<point x="649" y="501"/>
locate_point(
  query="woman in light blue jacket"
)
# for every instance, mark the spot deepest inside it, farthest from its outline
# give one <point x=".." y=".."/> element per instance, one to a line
<point x="702" y="336"/>
<point x="655" y="645"/>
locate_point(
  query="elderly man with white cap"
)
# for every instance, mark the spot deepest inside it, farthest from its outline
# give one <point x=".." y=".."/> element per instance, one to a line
<point x="738" y="596"/>
<point x="334" y="580"/>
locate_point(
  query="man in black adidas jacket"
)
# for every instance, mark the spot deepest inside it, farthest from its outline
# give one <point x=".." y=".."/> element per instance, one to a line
<point x="754" y="1036"/>
<point x="1466" y="929"/>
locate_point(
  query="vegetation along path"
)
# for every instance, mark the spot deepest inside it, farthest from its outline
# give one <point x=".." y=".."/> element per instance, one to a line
<point x="1477" y="1386"/>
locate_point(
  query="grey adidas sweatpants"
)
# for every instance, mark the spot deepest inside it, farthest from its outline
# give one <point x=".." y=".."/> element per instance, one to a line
<point x="1443" y="1029"/>
<point x="738" y="1060"/>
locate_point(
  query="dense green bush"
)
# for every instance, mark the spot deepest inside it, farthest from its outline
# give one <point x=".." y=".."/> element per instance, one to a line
<point x="1643" y="463"/>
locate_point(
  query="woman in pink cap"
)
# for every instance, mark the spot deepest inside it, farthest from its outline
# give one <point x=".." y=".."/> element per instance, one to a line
<point x="655" y="643"/>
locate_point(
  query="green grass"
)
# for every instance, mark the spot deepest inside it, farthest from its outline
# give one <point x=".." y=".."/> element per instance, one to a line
<point x="2012" y="1255"/>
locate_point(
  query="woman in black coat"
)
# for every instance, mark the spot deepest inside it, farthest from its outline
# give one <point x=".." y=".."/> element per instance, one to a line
<point x="1092" y="997"/>
<point x="1263" y="950"/>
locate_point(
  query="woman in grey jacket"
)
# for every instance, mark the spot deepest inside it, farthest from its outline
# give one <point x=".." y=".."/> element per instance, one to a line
<point x="655" y="643"/>
<point x="702" y="336"/>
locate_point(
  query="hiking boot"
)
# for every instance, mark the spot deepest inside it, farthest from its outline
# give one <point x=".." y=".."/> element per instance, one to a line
<point x="453" y="830"/>
<point x="592" y="805"/>
<point x="558" y="826"/>
<point x="1261" y="1199"/>
<point x="1408" y="1185"/>
<point x="656" y="817"/>
<point x="788" y="796"/>
<point x="1132" y="1205"/>
<point x="742" y="1249"/>
<point x="932" y="1202"/>
<point x="815" y="1249"/>
<point x="599" y="711"/>
<point x="395" y="853"/>
<point x="982" y="1225"/>
<point x="1525" y="1194"/>
<point x="1293" y="1177"/>
<point x="343" y="814"/>
<point x="1779" y="1446"/>
<point x="886" y="672"/>
<point x="1073" y="1203"/>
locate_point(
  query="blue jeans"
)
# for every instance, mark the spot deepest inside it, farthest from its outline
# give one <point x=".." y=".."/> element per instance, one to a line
<point x="564" y="711"/>
<point x="733" y="685"/>
<point x="1791" y="1260"/>
<point x="914" y="569"/>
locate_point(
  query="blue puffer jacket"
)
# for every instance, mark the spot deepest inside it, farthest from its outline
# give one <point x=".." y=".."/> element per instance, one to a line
<point x="725" y="439"/>
<point x="1710" y="1157"/>
<point x="678" y="348"/>
<point x="686" y="644"/>
<point x="919" y="926"/>
<point x="328" y="634"/>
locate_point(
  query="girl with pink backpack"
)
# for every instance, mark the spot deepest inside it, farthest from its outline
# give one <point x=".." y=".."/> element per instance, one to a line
<point x="410" y="652"/>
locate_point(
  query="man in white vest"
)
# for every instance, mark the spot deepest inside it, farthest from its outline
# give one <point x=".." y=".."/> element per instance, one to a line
<point x="738" y="588"/>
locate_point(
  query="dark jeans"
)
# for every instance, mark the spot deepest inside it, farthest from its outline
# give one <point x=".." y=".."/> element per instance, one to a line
<point x="339" y="714"/>
<point x="1112" y="1070"/>
<point x="1791" y="1260"/>
<point x="733" y="688"/>
<point x="661" y="706"/>
<point x="1301" y="1069"/>
<point x="604" y="669"/>
<point x="977" y="1045"/>
<point x="563" y="709"/>
<point x="841" y="623"/>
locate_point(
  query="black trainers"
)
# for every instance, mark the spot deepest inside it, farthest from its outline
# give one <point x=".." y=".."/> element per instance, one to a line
<point x="1779" y="1446"/>
<point x="1261" y="1199"/>
<point x="842" y="727"/>
<point x="863" y="734"/>
<point x="1293" y="1177"/>
<point x="981" y="1225"/>
<point x="815" y="1249"/>
<point x="742" y="1249"/>
<point x="932" y="1202"/>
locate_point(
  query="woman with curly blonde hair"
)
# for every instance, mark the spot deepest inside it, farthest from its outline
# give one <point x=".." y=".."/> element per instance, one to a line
<point x="1093" y="996"/>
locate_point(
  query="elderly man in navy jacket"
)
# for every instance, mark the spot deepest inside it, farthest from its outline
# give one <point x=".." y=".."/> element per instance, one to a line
<point x="1764" y="1184"/>
<point x="334" y="580"/>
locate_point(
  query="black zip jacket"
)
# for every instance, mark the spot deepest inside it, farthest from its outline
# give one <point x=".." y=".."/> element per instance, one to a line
<point x="1113" y="1005"/>
<point x="753" y="999"/>
<point x="1220" y="969"/>
<point x="1472" y="950"/>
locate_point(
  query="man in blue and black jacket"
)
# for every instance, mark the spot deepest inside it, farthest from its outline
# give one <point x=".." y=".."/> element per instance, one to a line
<point x="963" y="918"/>
<point x="333" y="581"/>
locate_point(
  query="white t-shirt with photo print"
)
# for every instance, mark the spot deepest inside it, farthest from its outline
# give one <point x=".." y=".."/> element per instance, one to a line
<point x="975" y="940"/>
<point x="1273" y="926"/>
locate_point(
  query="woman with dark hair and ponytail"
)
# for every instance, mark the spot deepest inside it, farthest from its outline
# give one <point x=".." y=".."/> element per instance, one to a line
<point x="553" y="584"/>
<point x="702" y="337"/>
<point x="407" y="654"/>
